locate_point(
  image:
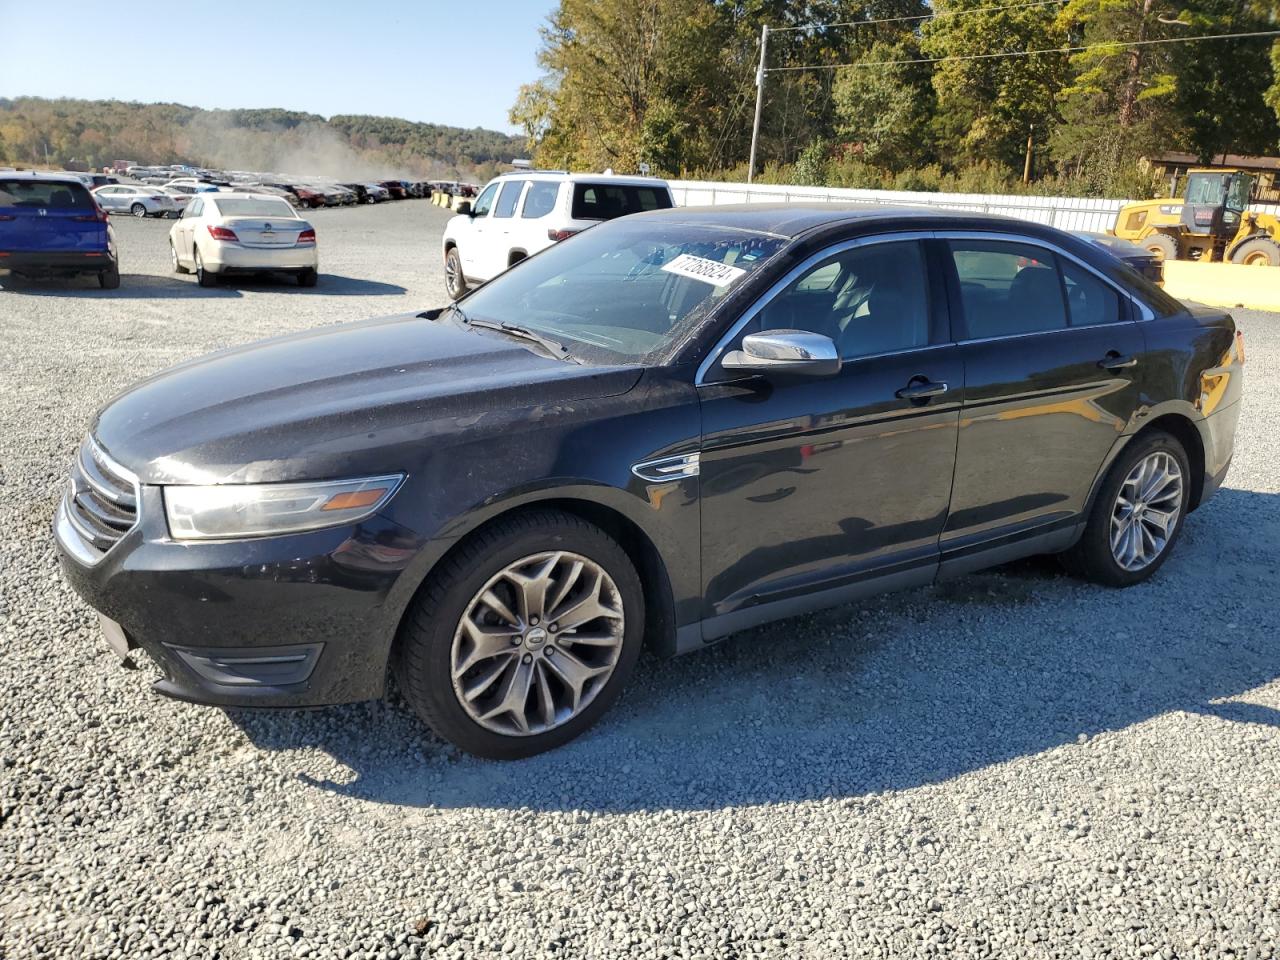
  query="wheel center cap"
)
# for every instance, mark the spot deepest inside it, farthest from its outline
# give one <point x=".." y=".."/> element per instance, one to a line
<point x="535" y="637"/>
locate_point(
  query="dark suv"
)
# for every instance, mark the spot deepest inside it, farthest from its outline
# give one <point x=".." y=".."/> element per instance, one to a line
<point x="666" y="429"/>
<point x="52" y="226"/>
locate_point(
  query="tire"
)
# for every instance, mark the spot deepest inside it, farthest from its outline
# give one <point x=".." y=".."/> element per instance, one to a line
<point x="110" y="279"/>
<point x="1162" y="245"/>
<point x="1093" y="557"/>
<point x="138" y="210"/>
<point x="432" y="639"/>
<point x="308" y="278"/>
<point x="1257" y="252"/>
<point x="173" y="259"/>
<point x="203" y="276"/>
<point x="455" y="283"/>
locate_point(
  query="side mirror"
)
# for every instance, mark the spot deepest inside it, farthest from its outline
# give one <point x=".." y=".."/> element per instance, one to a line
<point x="464" y="208"/>
<point x="785" y="351"/>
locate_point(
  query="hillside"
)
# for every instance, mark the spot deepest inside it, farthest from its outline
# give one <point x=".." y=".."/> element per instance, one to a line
<point x="95" y="132"/>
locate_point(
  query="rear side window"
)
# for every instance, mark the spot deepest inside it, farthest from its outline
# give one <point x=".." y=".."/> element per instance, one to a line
<point x="1089" y="300"/>
<point x="506" y="205"/>
<point x="604" y="201"/>
<point x="541" y="199"/>
<point x="45" y="194"/>
<point x="1007" y="288"/>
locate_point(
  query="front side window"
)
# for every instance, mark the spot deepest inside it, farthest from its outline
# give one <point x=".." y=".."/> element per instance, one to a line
<point x="506" y="205"/>
<point x="540" y="200"/>
<point x="485" y="201"/>
<point x="1238" y="193"/>
<point x="627" y="291"/>
<point x="869" y="300"/>
<point x="1007" y="288"/>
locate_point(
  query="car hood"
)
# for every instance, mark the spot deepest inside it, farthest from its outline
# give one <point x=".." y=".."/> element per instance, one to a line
<point x="326" y="402"/>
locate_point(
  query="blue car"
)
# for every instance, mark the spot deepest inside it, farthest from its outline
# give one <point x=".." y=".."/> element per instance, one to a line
<point x="52" y="226"/>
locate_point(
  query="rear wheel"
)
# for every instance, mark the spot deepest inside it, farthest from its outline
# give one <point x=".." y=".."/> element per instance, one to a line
<point x="1257" y="252"/>
<point x="203" y="276"/>
<point x="455" y="283"/>
<point x="1138" y="514"/>
<point x="1162" y="245"/>
<point x="308" y="278"/>
<point x="138" y="210"/>
<point x="524" y="638"/>
<point x="109" y="279"/>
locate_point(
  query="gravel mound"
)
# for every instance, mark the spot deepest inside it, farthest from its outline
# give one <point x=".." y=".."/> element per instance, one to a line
<point x="1010" y="765"/>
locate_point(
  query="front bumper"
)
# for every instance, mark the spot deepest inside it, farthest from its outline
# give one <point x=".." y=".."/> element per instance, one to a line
<point x="287" y="621"/>
<point x="233" y="258"/>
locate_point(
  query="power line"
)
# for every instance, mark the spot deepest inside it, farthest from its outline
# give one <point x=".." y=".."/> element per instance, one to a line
<point x="922" y="16"/>
<point x="1113" y="44"/>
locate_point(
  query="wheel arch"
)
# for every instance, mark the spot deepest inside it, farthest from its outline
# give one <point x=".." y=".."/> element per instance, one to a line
<point x="1183" y="429"/>
<point x="1230" y="253"/>
<point x="660" y="618"/>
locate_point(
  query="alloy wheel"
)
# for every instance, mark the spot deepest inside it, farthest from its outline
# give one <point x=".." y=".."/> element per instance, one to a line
<point x="451" y="275"/>
<point x="1146" y="511"/>
<point x="537" y="643"/>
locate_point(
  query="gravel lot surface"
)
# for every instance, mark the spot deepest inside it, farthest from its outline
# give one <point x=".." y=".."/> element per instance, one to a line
<point x="1013" y="765"/>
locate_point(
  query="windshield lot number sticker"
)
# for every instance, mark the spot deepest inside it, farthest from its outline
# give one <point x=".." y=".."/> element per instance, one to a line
<point x="711" y="271"/>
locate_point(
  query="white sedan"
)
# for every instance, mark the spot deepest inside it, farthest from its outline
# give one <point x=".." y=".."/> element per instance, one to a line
<point x="227" y="233"/>
<point x="139" y="201"/>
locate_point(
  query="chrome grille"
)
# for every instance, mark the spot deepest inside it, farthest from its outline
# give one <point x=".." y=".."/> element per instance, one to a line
<point x="101" y="503"/>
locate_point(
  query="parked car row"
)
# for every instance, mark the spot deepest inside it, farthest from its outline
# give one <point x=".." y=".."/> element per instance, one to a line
<point x="52" y="225"/>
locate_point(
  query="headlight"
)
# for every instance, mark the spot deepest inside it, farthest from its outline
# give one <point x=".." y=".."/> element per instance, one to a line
<point x="265" y="509"/>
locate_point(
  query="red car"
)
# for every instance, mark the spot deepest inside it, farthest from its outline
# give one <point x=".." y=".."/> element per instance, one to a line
<point x="395" y="188"/>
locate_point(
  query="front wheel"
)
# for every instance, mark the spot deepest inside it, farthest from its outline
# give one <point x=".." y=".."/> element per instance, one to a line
<point x="1163" y="246"/>
<point x="1257" y="252"/>
<point x="173" y="259"/>
<point x="455" y="284"/>
<point x="138" y="210"/>
<point x="524" y="638"/>
<point x="1137" y="516"/>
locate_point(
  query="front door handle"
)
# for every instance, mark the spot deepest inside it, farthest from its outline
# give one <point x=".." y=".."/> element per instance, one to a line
<point x="921" y="389"/>
<point x="1114" y="361"/>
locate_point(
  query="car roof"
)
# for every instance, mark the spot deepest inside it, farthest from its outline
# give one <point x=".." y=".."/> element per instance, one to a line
<point x="41" y="175"/>
<point x="791" y="220"/>
<point x="562" y="175"/>
<point x="240" y="195"/>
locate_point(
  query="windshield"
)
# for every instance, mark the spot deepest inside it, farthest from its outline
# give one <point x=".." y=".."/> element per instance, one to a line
<point x="1206" y="189"/>
<point x="625" y="290"/>
<point x="265" y="207"/>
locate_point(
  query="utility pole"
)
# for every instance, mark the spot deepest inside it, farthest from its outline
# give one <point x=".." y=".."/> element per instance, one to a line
<point x="1026" y="166"/>
<point x="755" y="127"/>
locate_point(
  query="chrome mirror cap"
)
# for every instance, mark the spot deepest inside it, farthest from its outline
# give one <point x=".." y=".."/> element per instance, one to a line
<point x="789" y="351"/>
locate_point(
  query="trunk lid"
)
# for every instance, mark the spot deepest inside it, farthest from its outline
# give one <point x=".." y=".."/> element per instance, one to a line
<point x="266" y="231"/>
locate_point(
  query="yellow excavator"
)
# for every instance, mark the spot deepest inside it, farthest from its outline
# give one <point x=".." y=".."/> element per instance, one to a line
<point x="1212" y="222"/>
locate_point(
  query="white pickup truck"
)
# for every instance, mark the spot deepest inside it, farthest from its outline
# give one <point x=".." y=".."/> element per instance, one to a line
<point x="519" y="213"/>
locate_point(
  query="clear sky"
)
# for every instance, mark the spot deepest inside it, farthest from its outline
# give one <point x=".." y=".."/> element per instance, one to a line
<point x="458" y="62"/>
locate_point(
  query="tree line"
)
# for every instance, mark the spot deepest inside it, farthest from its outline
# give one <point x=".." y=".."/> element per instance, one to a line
<point x="93" y="133"/>
<point x="912" y="95"/>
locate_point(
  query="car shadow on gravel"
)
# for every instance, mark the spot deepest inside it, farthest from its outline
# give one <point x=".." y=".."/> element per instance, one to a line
<point x="133" y="286"/>
<point x="893" y="693"/>
<point x="139" y="286"/>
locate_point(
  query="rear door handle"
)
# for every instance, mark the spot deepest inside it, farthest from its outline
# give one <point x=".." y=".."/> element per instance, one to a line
<point x="1114" y="361"/>
<point x="921" y="389"/>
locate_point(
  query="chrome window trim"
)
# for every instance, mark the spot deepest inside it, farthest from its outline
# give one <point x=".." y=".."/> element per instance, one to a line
<point x="999" y="237"/>
<point x="790" y="277"/>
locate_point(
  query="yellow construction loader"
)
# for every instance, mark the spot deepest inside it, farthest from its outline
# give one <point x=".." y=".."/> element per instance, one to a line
<point x="1211" y="223"/>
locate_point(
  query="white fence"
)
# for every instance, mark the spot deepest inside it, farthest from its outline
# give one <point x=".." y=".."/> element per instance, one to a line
<point x="1066" y="213"/>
